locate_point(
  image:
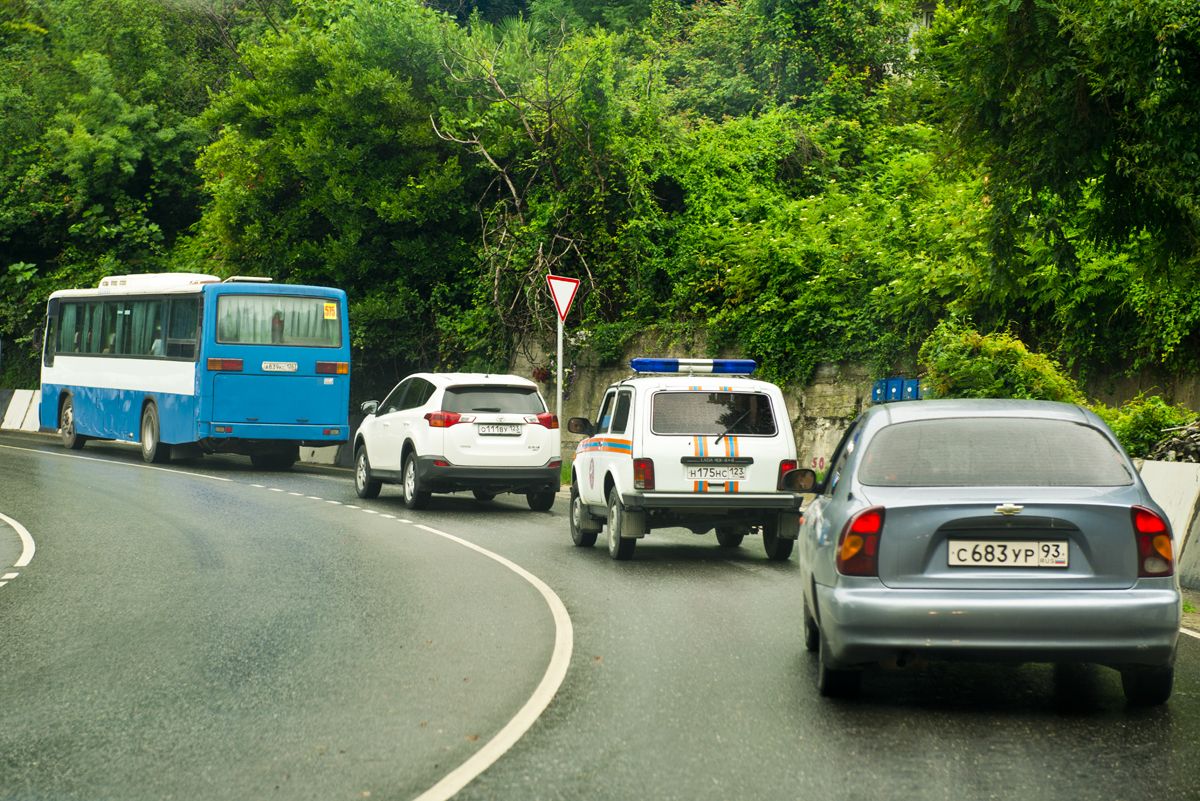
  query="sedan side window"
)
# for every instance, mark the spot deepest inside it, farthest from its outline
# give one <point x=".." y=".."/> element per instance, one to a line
<point x="840" y="456"/>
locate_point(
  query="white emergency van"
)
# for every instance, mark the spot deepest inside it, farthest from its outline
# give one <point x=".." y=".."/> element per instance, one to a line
<point x="692" y="443"/>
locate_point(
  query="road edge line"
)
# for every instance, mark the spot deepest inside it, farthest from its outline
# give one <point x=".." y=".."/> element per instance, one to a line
<point x="27" y="545"/>
<point x="527" y="715"/>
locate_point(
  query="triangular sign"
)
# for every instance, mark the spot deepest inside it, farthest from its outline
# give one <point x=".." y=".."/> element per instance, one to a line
<point x="563" y="290"/>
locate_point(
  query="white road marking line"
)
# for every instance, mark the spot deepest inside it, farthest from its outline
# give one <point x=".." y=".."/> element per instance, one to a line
<point x="2" y="583"/>
<point x="313" y="498"/>
<point x="1190" y="633"/>
<point x="369" y="511"/>
<point x="111" y="461"/>
<point x="27" y="546"/>
<point x="274" y="489"/>
<point x="297" y="494"/>
<point x="335" y="503"/>
<point x="260" y="486"/>
<point x="389" y="517"/>
<point x="556" y="672"/>
<point x="351" y="506"/>
<point x="9" y="576"/>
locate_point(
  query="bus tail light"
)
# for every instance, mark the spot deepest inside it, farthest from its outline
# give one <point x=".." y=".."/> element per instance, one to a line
<point x="226" y="365"/>
<point x="858" y="546"/>
<point x="333" y="368"/>
<point x="643" y="474"/>
<point x="1156" y="557"/>
<point x="785" y="466"/>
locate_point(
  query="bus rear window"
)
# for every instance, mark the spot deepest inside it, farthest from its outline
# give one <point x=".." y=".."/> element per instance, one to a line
<point x="279" y="320"/>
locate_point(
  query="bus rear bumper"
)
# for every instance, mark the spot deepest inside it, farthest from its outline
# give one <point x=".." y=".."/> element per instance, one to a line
<point x="309" y="435"/>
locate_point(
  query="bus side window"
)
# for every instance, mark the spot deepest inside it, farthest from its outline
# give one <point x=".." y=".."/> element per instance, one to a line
<point x="50" y="340"/>
<point x="70" y="317"/>
<point x="182" y="328"/>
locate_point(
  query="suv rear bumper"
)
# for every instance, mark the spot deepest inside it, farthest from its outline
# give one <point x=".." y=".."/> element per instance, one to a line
<point x="453" y="478"/>
<point x="712" y="501"/>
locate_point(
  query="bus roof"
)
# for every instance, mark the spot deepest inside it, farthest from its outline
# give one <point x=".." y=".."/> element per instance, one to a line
<point x="143" y="283"/>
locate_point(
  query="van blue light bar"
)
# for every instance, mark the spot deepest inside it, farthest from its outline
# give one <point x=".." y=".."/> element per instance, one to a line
<point x="721" y="366"/>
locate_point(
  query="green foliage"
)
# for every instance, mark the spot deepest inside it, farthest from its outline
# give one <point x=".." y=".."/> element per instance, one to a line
<point x="959" y="362"/>
<point x="1141" y="423"/>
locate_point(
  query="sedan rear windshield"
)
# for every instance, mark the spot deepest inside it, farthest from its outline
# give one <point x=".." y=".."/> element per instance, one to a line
<point x="992" y="452"/>
<point x="515" y="400"/>
<point x="713" y="413"/>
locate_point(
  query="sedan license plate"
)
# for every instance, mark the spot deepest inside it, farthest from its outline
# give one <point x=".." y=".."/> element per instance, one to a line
<point x="1008" y="553"/>
<point x="714" y="472"/>
<point x="500" y="429"/>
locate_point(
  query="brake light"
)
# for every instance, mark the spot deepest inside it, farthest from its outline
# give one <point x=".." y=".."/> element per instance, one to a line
<point x="544" y="419"/>
<point x="443" y="419"/>
<point x="227" y="365"/>
<point x="1156" y="556"/>
<point x="858" y="546"/>
<point x="643" y="474"/>
<point x="333" y="368"/>
<point x="785" y="467"/>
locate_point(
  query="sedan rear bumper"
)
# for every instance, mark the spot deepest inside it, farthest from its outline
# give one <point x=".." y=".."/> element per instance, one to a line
<point x="866" y="624"/>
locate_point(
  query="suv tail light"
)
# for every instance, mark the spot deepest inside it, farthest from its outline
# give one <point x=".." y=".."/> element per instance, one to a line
<point x="785" y="467"/>
<point x="643" y="474"/>
<point x="858" y="546"/>
<point x="1156" y="557"/>
<point x="444" y="419"/>
<point x="546" y="419"/>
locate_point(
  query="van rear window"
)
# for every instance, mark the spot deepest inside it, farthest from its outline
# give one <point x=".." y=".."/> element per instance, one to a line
<point x="713" y="413"/>
<point x="992" y="452"/>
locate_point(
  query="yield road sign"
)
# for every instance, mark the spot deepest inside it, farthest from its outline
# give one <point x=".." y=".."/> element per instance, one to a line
<point x="563" y="290"/>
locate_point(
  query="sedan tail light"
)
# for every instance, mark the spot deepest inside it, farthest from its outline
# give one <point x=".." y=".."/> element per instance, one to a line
<point x="444" y="419"/>
<point x="1156" y="556"/>
<point x="643" y="474"/>
<point x="785" y="466"/>
<point x="858" y="546"/>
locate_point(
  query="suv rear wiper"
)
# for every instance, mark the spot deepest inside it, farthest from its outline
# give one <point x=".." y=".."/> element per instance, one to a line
<point x="486" y="409"/>
<point x="731" y="425"/>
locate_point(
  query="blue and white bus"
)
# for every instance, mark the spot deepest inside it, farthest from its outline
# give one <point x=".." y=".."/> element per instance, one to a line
<point x="189" y="361"/>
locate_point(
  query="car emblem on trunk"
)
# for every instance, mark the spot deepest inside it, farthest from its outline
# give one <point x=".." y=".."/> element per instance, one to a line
<point x="1009" y="509"/>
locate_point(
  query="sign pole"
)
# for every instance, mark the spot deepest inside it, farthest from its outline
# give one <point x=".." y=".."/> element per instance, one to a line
<point x="559" y="381"/>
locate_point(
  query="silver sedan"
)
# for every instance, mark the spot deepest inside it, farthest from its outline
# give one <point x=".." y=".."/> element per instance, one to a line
<point x="987" y="530"/>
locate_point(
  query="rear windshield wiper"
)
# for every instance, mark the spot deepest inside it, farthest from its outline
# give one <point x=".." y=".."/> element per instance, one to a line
<point x="486" y="409"/>
<point x="741" y="417"/>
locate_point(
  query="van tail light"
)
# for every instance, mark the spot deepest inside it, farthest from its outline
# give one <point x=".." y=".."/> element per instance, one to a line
<point x="858" y="546"/>
<point x="1156" y="556"/>
<point x="546" y="419"/>
<point x="333" y="368"/>
<point x="445" y="419"/>
<point x="226" y="365"/>
<point x="643" y="474"/>
<point x="785" y="466"/>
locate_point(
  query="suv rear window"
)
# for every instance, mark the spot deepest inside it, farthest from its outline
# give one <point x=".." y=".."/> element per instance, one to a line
<point x="713" y="413"/>
<point x="992" y="452"/>
<point x="517" y="400"/>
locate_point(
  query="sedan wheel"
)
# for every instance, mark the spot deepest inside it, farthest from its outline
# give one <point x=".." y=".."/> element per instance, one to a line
<point x="812" y="634"/>
<point x="835" y="682"/>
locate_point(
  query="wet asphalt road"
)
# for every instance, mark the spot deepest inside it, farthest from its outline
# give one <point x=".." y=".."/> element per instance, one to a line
<point x="184" y="633"/>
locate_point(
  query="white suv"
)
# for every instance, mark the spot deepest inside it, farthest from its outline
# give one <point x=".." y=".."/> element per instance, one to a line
<point x="695" y="443"/>
<point x="446" y="432"/>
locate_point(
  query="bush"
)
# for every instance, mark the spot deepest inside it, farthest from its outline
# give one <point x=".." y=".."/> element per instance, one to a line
<point x="1140" y="423"/>
<point x="959" y="362"/>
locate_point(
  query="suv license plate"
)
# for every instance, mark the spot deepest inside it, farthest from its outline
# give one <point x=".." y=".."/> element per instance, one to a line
<point x="1008" y="553"/>
<point x="715" y="472"/>
<point x="501" y="429"/>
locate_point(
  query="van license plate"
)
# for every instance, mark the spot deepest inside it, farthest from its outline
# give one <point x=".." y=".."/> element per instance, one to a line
<point x="715" y="472"/>
<point x="501" y="429"/>
<point x="1008" y="553"/>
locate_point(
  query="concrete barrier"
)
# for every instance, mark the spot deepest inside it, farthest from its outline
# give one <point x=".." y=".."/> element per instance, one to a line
<point x="17" y="415"/>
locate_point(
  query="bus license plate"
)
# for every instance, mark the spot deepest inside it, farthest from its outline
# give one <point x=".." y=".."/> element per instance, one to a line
<point x="501" y="429"/>
<point x="279" y="367"/>
<point x="715" y="472"/>
<point x="1008" y="553"/>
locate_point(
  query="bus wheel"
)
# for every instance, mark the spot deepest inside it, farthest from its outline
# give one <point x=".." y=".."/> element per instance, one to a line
<point x="154" y="450"/>
<point x="66" y="426"/>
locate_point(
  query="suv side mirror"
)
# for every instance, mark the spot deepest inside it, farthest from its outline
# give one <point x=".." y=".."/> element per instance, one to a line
<point x="801" y="480"/>
<point x="580" y="425"/>
<point x="369" y="407"/>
